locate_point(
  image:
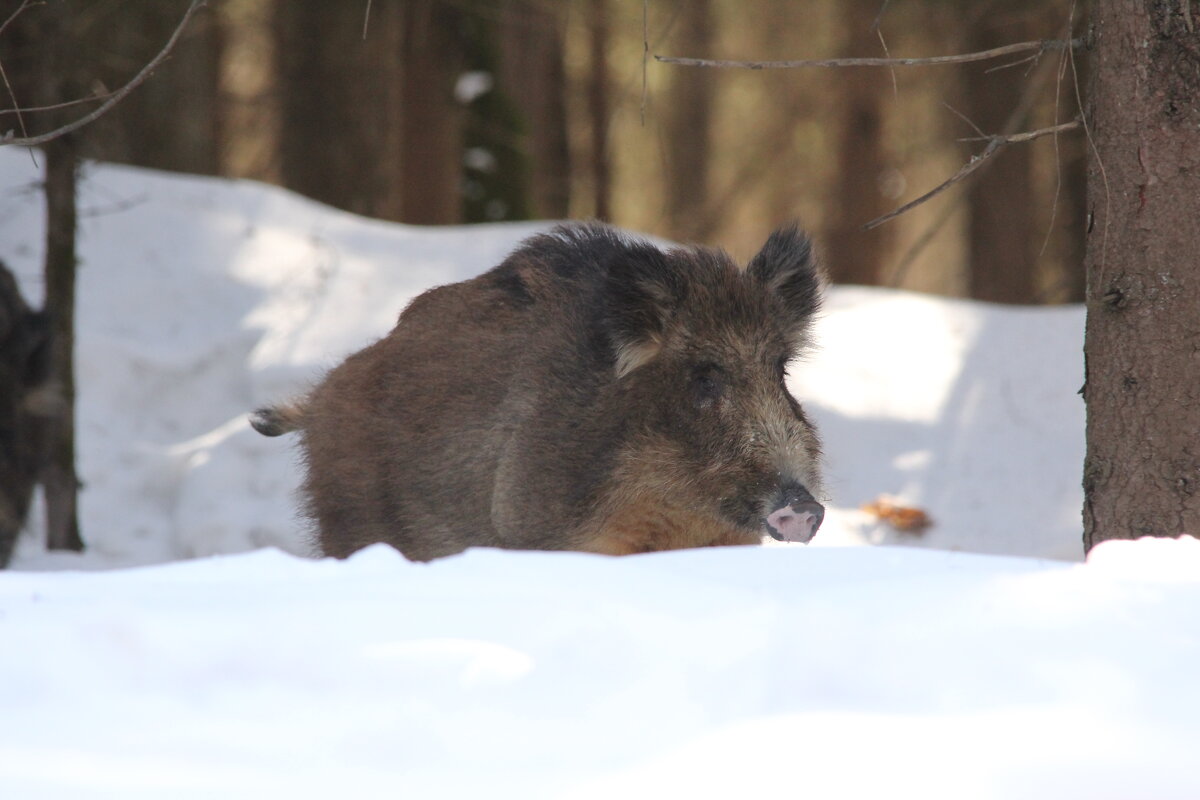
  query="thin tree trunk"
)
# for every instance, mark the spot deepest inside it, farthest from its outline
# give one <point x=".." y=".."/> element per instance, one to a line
<point x="339" y="109"/>
<point x="852" y="254"/>
<point x="1002" y="232"/>
<point x="533" y="74"/>
<point x="688" y="126"/>
<point x="432" y="123"/>
<point x="598" y="109"/>
<point x="60" y="485"/>
<point x="250" y="116"/>
<point x="1142" y="472"/>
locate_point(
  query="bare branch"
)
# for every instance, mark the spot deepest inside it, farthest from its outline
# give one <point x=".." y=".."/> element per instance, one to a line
<point x="966" y="119"/>
<point x="1028" y="136"/>
<point x="879" y="17"/>
<point x="117" y="96"/>
<point x="12" y="95"/>
<point x="975" y="163"/>
<point x="24" y="5"/>
<point x="994" y="145"/>
<point x="982" y="55"/>
<point x="67" y="104"/>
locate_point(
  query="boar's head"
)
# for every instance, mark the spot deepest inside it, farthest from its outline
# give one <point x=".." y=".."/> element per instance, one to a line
<point x="701" y="349"/>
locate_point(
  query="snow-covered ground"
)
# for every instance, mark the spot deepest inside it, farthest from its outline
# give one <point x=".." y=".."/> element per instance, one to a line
<point x="833" y="671"/>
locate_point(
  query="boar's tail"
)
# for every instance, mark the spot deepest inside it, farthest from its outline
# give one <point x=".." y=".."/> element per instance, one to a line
<point x="278" y="420"/>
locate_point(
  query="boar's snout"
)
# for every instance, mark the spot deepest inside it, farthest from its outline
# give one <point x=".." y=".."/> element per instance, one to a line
<point x="796" y="516"/>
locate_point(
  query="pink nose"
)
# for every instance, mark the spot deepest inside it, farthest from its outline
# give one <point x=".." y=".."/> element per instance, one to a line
<point x="796" y="523"/>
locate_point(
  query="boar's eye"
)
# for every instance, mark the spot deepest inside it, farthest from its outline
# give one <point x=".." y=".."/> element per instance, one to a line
<point x="781" y="367"/>
<point x="708" y="385"/>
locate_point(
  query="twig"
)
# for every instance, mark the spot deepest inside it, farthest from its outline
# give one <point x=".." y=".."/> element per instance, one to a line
<point x="1062" y="65"/>
<point x="12" y="95"/>
<point x="67" y="104"/>
<point x="16" y="106"/>
<point x="887" y="53"/>
<point x="1028" y="136"/>
<point x="1012" y="64"/>
<point x="879" y="17"/>
<point x="900" y="271"/>
<point x="994" y="145"/>
<point x="14" y="15"/>
<point x="366" y="20"/>
<point x="117" y="96"/>
<point x="1087" y="132"/>
<point x="965" y="119"/>
<point x="982" y="55"/>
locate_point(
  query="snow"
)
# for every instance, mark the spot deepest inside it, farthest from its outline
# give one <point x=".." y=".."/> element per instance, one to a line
<point x="196" y="651"/>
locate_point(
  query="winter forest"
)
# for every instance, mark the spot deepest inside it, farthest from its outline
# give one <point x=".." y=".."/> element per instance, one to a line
<point x="976" y="394"/>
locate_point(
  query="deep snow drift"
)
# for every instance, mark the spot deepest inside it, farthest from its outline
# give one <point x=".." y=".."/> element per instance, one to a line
<point x="751" y="672"/>
<point x="781" y="671"/>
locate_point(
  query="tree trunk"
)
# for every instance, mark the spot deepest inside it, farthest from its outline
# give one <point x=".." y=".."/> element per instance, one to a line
<point x="172" y="121"/>
<point x="1142" y="345"/>
<point x="1002" y="233"/>
<point x="532" y="73"/>
<point x="249" y="105"/>
<point x="432" y="118"/>
<point x="340" y="103"/>
<point x="51" y="61"/>
<point x="598" y="109"/>
<point x="688" y="126"/>
<point x="60" y="485"/>
<point x="852" y="254"/>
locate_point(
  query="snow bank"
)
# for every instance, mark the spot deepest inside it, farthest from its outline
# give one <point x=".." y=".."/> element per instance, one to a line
<point x="200" y="299"/>
<point x="776" y="672"/>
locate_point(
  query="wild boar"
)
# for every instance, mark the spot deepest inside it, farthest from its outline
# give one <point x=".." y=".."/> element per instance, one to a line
<point x="24" y="372"/>
<point x="593" y="392"/>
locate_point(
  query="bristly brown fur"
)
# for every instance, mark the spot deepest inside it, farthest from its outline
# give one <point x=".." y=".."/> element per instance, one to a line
<point x="593" y="392"/>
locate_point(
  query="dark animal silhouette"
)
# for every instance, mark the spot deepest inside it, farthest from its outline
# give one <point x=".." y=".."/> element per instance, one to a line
<point x="24" y="374"/>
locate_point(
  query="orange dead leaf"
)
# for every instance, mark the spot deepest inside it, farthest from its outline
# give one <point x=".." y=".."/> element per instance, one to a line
<point x="902" y="518"/>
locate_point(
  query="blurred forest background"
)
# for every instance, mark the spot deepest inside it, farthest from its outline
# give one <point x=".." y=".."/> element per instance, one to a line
<point x="451" y="111"/>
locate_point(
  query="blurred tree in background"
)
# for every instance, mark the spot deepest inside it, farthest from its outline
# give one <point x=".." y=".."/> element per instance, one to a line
<point x="449" y="111"/>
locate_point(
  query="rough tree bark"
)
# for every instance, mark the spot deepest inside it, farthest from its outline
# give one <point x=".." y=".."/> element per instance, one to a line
<point x="1142" y="346"/>
<point x="852" y="254"/>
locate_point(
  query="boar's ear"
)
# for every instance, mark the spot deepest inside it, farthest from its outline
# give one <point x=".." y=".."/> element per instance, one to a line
<point x="644" y="289"/>
<point x="787" y="268"/>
